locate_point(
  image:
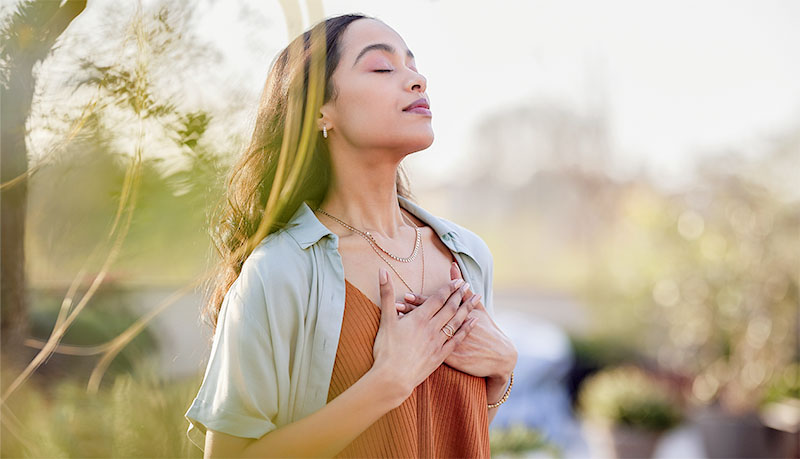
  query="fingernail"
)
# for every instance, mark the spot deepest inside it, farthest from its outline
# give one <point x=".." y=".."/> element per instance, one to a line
<point x="457" y="282"/>
<point x="465" y="286"/>
<point x="474" y="300"/>
<point x="409" y="296"/>
<point x="383" y="275"/>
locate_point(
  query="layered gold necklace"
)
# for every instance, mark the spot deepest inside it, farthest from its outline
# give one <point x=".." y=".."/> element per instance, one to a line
<point x="376" y="247"/>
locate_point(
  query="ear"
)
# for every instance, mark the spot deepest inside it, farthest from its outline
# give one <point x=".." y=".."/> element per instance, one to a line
<point x="321" y="121"/>
<point x="324" y="117"/>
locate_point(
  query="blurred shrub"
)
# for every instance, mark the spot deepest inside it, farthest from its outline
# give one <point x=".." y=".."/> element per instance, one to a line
<point x="105" y="317"/>
<point x="519" y="441"/>
<point x="627" y="395"/>
<point x="594" y="352"/>
<point x="785" y="384"/>
<point x="705" y="283"/>
<point x="602" y="350"/>
<point x="138" y="416"/>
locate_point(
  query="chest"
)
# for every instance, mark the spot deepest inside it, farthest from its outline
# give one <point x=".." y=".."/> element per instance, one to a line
<point x="428" y="272"/>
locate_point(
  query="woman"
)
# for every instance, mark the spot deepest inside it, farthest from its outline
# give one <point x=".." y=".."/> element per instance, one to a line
<point x="315" y="350"/>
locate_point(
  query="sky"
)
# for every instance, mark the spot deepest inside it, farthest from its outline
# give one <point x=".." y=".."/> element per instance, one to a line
<point x="676" y="79"/>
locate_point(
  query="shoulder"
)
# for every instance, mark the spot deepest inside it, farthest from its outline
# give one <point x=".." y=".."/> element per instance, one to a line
<point x="276" y="273"/>
<point x="471" y="241"/>
<point x="279" y="254"/>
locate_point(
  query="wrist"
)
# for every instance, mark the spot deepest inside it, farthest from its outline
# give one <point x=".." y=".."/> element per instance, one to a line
<point x="390" y="388"/>
<point x="500" y="379"/>
<point x="498" y="383"/>
<point x="503" y="373"/>
<point x="498" y="393"/>
<point x="496" y="387"/>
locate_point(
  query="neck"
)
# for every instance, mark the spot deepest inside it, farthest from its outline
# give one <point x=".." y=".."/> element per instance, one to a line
<point x="363" y="194"/>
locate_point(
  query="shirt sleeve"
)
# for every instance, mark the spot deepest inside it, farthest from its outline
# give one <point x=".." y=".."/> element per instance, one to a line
<point x="488" y="300"/>
<point x="238" y="395"/>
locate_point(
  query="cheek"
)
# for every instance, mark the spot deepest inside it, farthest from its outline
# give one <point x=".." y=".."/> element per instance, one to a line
<point x="368" y="95"/>
<point x="370" y="104"/>
<point x="369" y="108"/>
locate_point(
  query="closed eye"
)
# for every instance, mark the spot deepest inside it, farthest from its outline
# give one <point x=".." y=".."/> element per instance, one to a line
<point x="383" y="70"/>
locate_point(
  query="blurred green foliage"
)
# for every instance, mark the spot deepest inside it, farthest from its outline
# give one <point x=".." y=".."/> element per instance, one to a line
<point x="139" y="415"/>
<point x="81" y="193"/>
<point x="629" y="396"/>
<point x="784" y="384"/>
<point x="705" y="283"/>
<point x="109" y="315"/>
<point x="598" y="350"/>
<point x="520" y="441"/>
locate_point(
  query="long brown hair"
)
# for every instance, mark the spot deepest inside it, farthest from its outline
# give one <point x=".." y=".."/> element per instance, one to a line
<point x="287" y="160"/>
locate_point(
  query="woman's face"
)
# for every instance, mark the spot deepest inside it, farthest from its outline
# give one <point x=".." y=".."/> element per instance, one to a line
<point x="374" y="85"/>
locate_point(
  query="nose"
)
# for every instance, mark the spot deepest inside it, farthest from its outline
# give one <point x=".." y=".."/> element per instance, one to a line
<point x="418" y="82"/>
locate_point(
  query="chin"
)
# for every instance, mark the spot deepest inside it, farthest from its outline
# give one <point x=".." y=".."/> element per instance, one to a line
<point x="420" y="143"/>
<point x="409" y="142"/>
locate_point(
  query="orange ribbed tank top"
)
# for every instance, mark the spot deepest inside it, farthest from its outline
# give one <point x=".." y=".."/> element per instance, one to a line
<point x="445" y="416"/>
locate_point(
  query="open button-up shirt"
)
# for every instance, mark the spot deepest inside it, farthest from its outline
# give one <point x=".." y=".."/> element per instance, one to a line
<point x="278" y="328"/>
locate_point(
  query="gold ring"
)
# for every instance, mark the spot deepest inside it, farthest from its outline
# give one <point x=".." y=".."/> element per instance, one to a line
<point x="450" y="331"/>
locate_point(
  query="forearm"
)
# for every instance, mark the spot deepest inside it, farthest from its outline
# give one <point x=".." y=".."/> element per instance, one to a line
<point x="329" y="430"/>
<point x="492" y="413"/>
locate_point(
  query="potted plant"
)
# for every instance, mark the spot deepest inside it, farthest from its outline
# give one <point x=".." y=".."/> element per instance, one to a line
<point x="709" y="290"/>
<point x="780" y="411"/>
<point x="626" y="409"/>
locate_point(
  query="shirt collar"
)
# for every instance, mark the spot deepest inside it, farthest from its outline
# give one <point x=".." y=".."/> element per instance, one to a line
<point x="306" y="229"/>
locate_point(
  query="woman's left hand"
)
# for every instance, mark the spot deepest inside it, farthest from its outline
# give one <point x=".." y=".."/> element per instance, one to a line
<point x="486" y="351"/>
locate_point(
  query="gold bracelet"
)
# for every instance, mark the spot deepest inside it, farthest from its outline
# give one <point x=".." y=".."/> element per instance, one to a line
<point x="505" y="396"/>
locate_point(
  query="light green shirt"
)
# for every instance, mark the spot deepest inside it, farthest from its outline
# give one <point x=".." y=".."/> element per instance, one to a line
<point x="278" y="328"/>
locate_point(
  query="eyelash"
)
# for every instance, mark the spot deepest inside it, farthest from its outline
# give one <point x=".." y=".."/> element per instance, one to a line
<point x="383" y="70"/>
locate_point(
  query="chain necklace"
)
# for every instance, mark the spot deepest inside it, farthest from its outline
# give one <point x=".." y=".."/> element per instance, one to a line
<point x="371" y="239"/>
<point x="374" y="244"/>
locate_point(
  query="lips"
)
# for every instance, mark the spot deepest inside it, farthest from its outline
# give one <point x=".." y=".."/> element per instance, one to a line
<point x="422" y="102"/>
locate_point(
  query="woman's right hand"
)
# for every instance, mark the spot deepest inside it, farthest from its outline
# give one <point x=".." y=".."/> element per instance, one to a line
<point x="409" y="348"/>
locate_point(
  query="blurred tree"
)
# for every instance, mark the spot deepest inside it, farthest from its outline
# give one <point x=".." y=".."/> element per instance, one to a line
<point x="132" y="109"/>
<point x="513" y="144"/>
<point x="26" y="38"/>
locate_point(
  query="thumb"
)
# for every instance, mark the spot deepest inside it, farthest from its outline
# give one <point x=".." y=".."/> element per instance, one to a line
<point x="388" y="308"/>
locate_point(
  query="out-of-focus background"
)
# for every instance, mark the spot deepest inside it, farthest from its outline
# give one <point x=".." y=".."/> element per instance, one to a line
<point x="634" y="168"/>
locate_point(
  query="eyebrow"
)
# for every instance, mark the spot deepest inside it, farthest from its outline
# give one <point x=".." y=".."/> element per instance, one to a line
<point x="381" y="46"/>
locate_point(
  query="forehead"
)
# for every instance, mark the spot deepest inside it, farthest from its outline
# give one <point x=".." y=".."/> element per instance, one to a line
<point x="365" y="32"/>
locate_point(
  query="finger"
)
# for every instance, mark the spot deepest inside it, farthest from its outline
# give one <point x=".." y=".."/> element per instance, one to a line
<point x="451" y="307"/>
<point x="462" y="333"/>
<point x="455" y="273"/>
<point x="413" y="298"/>
<point x="436" y="301"/>
<point x="468" y="295"/>
<point x="472" y="302"/>
<point x="404" y="307"/>
<point x="461" y="316"/>
<point x="477" y="303"/>
<point x="388" y="310"/>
